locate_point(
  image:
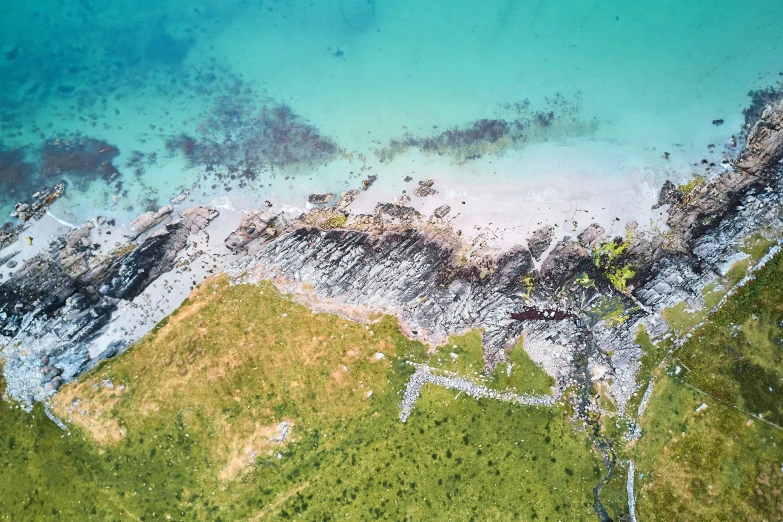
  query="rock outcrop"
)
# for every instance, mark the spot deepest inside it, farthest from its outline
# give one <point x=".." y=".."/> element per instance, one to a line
<point x="425" y="188"/>
<point x="608" y="285"/>
<point x="149" y="219"/>
<point x="61" y="299"/>
<point x="539" y="241"/>
<point x="320" y="198"/>
<point x="764" y="149"/>
<point x="254" y="225"/>
<point x="579" y="313"/>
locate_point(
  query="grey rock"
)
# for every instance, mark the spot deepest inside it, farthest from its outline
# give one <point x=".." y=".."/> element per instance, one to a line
<point x="346" y="198"/>
<point x="63" y="297"/>
<point x="425" y="188"/>
<point x="764" y="149"/>
<point x="253" y="226"/>
<point x="539" y="241"/>
<point x="149" y="219"/>
<point x="320" y="198"/>
<point x="441" y="211"/>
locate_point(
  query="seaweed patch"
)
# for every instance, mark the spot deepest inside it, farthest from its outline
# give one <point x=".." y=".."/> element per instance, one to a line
<point x="241" y="139"/>
<point x="515" y="125"/>
<point x="81" y="157"/>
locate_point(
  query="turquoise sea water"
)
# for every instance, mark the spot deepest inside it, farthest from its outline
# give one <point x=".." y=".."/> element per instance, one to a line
<point x="280" y="98"/>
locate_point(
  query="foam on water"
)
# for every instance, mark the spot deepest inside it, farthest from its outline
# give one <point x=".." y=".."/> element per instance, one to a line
<point x="594" y="93"/>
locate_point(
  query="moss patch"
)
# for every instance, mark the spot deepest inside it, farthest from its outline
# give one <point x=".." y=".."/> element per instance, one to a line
<point x="521" y="374"/>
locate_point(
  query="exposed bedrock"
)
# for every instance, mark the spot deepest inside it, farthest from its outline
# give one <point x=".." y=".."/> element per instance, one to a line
<point x="540" y="240"/>
<point x="254" y="224"/>
<point x="579" y="313"/>
<point x="764" y="149"/>
<point x="62" y="298"/>
<point x="420" y="275"/>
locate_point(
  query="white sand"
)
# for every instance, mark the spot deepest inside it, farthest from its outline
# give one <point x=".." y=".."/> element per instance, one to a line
<point x="501" y="204"/>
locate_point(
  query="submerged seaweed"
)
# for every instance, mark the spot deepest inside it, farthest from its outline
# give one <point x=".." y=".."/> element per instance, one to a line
<point x="516" y="125"/>
<point x="240" y="140"/>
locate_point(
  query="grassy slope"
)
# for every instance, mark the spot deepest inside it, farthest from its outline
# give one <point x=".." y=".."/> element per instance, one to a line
<point x="195" y="401"/>
<point x="722" y="463"/>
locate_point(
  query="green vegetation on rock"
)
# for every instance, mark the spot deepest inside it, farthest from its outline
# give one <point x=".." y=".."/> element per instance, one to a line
<point x="336" y="221"/>
<point x="691" y="185"/>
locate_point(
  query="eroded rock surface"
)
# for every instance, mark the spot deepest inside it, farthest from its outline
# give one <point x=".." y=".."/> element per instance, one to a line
<point x="320" y="198"/>
<point x="254" y="224"/>
<point x="539" y="241"/>
<point x="425" y="188"/>
<point x="764" y="148"/>
<point x="61" y="299"/>
<point x="579" y="313"/>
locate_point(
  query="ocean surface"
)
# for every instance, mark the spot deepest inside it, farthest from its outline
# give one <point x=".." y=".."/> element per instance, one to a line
<point x="134" y="102"/>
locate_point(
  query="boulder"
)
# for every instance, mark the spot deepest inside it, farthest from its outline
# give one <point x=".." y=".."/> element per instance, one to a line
<point x="425" y="188"/>
<point x="320" y="198"/>
<point x="441" y="211"/>
<point x="346" y="198"/>
<point x="592" y="236"/>
<point x="149" y="219"/>
<point x="540" y="240"/>
<point x="254" y="225"/>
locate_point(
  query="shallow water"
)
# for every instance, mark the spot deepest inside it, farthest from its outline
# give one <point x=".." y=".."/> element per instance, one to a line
<point x="590" y="91"/>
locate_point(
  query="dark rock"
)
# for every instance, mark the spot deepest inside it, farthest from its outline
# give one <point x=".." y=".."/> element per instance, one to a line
<point x="565" y="261"/>
<point x="668" y="194"/>
<point x="367" y="183"/>
<point x="131" y="274"/>
<point x="591" y="236"/>
<point x="320" y="198"/>
<point x="425" y="188"/>
<point x="539" y="241"/>
<point x="397" y="214"/>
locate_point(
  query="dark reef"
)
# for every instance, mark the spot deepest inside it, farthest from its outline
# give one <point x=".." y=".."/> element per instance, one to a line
<point x="241" y="140"/>
<point x="518" y="124"/>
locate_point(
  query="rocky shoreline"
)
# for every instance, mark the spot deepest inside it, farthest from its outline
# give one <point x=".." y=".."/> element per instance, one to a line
<point x="59" y="309"/>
